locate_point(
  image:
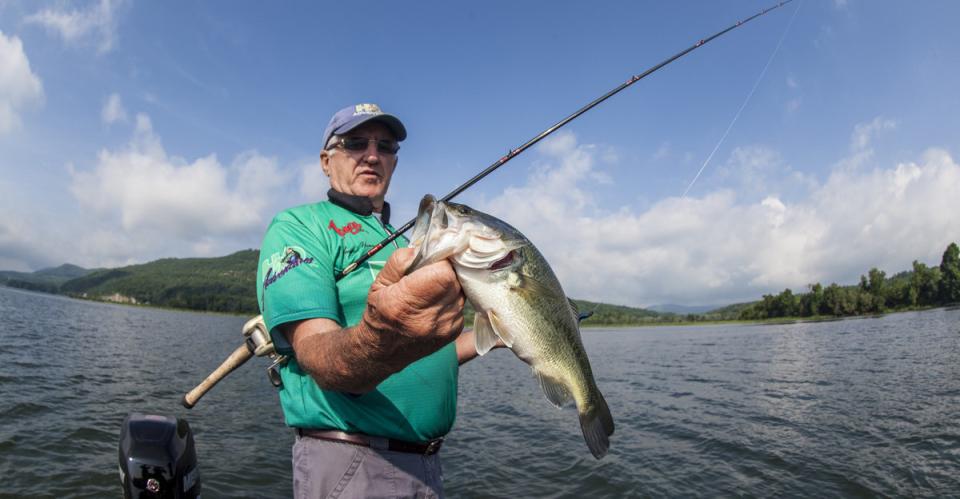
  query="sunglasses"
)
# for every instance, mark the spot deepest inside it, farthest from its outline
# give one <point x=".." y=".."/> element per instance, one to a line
<point x="359" y="144"/>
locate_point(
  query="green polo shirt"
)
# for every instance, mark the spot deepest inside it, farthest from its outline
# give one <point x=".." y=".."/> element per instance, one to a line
<point x="302" y="251"/>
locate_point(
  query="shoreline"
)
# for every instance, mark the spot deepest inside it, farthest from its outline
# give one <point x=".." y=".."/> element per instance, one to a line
<point x="584" y="325"/>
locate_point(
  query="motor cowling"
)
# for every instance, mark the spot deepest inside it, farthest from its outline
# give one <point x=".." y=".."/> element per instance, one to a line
<point x="158" y="458"/>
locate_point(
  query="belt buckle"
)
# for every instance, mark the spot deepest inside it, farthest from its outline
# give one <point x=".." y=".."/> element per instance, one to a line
<point x="433" y="446"/>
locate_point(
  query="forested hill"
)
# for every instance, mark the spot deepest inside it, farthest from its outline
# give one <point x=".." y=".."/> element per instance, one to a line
<point x="223" y="284"/>
<point x="227" y="284"/>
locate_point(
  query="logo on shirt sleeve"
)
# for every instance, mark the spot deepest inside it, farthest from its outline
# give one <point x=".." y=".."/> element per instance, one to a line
<point x="282" y="262"/>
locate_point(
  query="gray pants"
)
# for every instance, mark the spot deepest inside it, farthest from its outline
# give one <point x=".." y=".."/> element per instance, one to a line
<point x="325" y="469"/>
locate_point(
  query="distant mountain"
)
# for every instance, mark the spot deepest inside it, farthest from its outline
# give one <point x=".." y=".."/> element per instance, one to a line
<point x="222" y="284"/>
<point x="46" y="280"/>
<point x="604" y="314"/>
<point x="729" y="312"/>
<point x="66" y="272"/>
<point x="683" y="309"/>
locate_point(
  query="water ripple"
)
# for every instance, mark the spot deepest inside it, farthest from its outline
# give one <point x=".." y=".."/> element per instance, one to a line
<point x="863" y="407"/>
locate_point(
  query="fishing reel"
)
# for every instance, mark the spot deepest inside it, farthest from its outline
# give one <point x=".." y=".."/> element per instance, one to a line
<point x="256" y="341"/>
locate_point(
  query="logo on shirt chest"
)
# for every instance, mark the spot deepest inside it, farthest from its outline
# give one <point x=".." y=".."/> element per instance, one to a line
<point x="350" y="228"/>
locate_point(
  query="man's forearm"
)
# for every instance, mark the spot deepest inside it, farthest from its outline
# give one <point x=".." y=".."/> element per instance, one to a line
<point x="354" y="359"/>
<point x="342" y="359"/>
<point x="408" y="316"/>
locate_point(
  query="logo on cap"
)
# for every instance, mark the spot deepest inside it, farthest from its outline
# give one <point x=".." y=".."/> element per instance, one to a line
<point x="366" y="109"/>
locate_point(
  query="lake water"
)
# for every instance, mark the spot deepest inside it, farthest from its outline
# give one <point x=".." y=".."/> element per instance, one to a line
<point x="862" y="407"/>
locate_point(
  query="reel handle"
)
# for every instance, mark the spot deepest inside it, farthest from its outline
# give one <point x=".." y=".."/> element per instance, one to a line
<point x="239" y="356"/>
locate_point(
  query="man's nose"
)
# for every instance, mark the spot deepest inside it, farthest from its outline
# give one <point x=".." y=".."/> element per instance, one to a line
<point x="371" y="154"/>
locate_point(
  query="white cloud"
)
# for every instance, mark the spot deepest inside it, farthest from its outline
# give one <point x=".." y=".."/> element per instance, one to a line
<point x="863" y="133"/>
<point x="96" y="23"/>
<point x="18" y="245"/>
<point x="141" y="191"/>
<point x="19" y="86"/>
<point x="113" y="110"/>
<point x="758" y="171"/>
<point x="840" y="4"/>
<point x="725" y="246"/>
<point x="861" y="139"/>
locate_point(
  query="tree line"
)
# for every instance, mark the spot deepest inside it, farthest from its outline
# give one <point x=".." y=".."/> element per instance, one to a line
<point x="921" y="287"/>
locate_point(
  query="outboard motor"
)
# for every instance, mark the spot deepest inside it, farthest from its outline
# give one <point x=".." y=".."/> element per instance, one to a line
<point x="158" y="458"/>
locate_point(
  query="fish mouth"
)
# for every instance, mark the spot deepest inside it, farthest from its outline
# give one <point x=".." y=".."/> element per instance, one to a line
<point x="421" y="231"/>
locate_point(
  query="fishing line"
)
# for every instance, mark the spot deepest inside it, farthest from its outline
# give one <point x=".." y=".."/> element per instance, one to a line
<point x="244" y="353"/>
<point x="747" y="100"/>
<point x="523" y="147"/>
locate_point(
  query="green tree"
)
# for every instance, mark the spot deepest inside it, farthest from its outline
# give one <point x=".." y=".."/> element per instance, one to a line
<point x="927" y="282"/>
<point x="785" y="305"/>
<point x="916" y="284"/>
<point x="811" y="303"/>
<point x="836" y="301"/>
<point x="877" y="287"/>
<point x="950" y="275"/>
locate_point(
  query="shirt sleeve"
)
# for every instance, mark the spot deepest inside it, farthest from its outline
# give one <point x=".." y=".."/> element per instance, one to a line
<point x="295" y="279"/>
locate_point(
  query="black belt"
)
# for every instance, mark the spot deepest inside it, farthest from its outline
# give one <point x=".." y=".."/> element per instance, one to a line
<point x="381" y="443"/>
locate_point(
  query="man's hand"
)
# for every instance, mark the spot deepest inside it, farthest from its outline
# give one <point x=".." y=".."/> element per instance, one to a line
<point x="407" y="317"/>
<point x="413" y="315"/>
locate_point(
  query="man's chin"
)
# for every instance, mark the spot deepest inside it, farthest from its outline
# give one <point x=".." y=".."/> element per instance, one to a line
<point x="369" y="189"/>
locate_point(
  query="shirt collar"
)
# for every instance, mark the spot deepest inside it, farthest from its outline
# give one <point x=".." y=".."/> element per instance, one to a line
<point x="360" y="205"/>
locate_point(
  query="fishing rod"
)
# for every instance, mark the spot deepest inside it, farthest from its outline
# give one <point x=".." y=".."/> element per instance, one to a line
<point x="256" y="338"/>
<point x="526" y="145"/>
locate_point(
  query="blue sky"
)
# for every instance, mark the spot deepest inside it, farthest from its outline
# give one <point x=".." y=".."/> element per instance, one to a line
<point x="131" y="131"/>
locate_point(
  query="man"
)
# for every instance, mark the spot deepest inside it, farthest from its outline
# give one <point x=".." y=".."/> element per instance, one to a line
<point x="371" y="384"/>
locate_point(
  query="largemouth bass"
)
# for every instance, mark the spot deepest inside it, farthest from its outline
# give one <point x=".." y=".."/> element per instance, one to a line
<point x="517" y="299"/>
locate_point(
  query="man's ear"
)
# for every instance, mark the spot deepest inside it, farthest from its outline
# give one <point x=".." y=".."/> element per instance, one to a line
<point x="325" y="162"/>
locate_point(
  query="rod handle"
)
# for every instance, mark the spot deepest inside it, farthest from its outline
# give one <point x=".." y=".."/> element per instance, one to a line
<point x="235" y="360"/>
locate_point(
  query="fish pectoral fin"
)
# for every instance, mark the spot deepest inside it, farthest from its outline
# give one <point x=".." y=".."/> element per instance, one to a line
<point x="500" y="328"/>
<point x="555" y="391"/>
<point x="484" y="336"/>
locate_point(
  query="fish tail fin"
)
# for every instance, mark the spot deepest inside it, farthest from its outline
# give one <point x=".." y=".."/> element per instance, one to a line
<point x="597" y="426"/>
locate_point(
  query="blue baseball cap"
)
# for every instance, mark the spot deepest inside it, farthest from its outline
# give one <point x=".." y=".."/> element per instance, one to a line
<point x="351" y="117"/>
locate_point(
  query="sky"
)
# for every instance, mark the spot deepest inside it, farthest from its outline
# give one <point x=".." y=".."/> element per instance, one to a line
<point x="131" y="131"/>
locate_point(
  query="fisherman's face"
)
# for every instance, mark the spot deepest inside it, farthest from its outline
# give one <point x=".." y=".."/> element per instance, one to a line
<point x="361" y="173"/>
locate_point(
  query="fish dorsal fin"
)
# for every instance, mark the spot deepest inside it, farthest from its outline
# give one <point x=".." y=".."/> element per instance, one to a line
<point x="555" y="391"/>
<point x="487" y="327"/>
